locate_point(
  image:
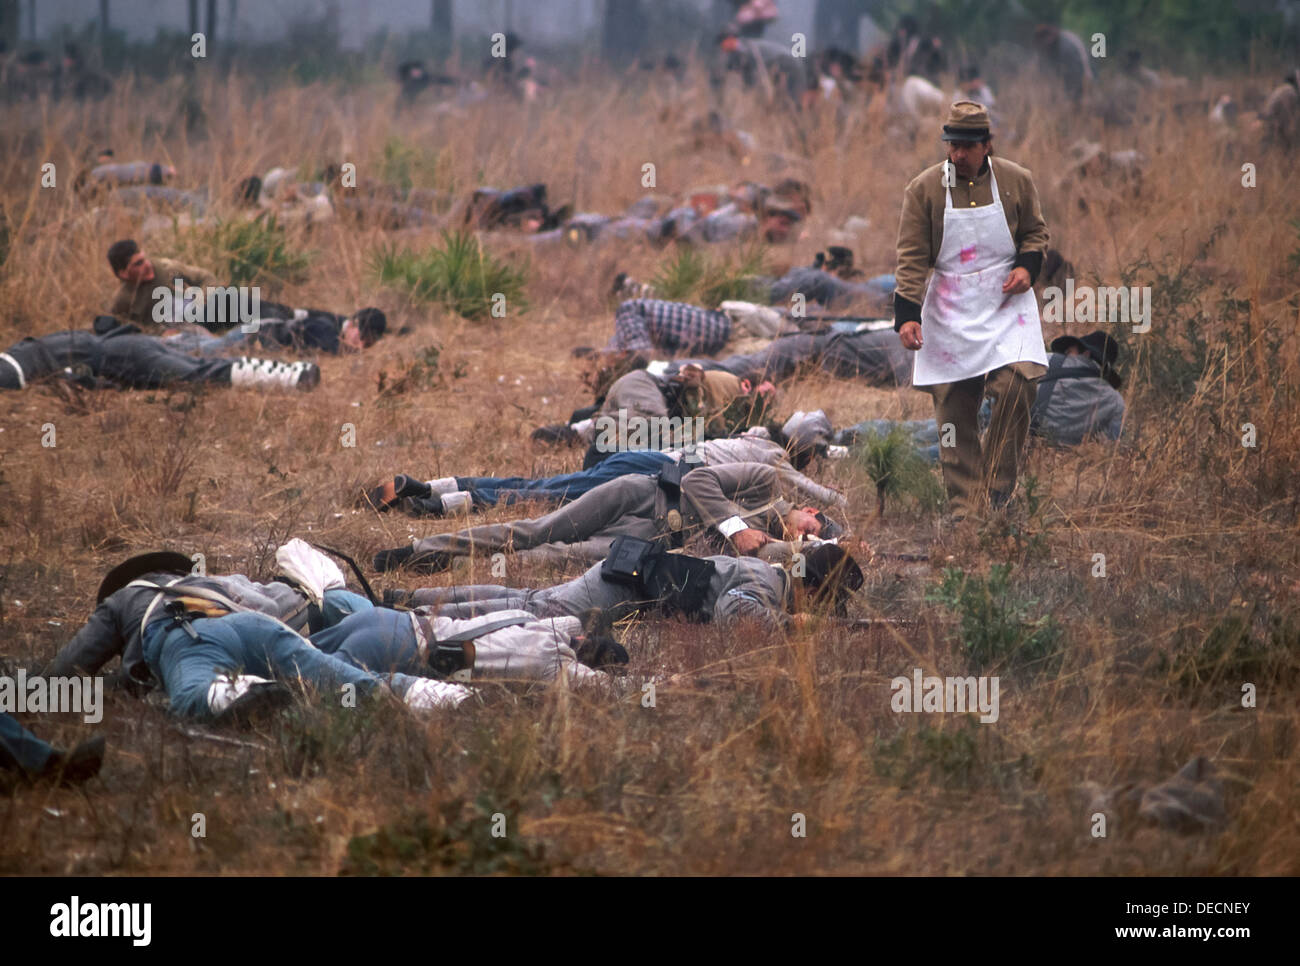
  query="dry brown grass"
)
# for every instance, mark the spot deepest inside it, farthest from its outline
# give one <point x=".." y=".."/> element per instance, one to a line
<point x="1195" y="529"/>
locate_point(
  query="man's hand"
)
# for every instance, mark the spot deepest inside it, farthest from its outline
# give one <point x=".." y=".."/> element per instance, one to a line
<point x="910" y="333"/>
<point x="1017" y="282"/>
<point x="748" y="541"/>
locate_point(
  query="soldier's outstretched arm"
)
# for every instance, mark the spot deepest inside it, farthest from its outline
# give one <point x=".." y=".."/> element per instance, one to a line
<point x="94" y="645"/>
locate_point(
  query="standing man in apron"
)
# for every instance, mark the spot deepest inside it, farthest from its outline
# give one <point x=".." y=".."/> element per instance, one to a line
<point x="976" y="222"/>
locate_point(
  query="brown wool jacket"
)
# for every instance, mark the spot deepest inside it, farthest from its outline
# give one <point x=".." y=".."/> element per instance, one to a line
<point x="920" y="230"/>
<point x="135" y="303"/>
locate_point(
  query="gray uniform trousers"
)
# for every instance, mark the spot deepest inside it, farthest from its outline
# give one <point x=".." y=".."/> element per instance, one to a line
<point x="741" y="587"/>
<point x="571" y="598"/>
<point x="581" y="530"/>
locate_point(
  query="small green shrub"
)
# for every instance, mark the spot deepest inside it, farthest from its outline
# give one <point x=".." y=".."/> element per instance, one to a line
<point x="407" y="166"/>
<point x="421" y="375"/>
<point x="898" y="469"/>
<point x="678" y="278"/>
<point x="257" y="252"/>
<point x="996" y="619"/>
<point x="734" y="280"/>
<point x="691" y="276"/>
<point x="453" y="840"/>
<point x="459" y="275"/>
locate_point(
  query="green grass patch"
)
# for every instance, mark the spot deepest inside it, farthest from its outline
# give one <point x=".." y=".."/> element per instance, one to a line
<point x="1243" y="646"/>
<point x="689" y="275"/>
<point x="898" y="469"/>
<point x="257" y="252"/>
<point x="999" y="622"/>
<point x="407" y="166"/>
<point x="459" y="275"/>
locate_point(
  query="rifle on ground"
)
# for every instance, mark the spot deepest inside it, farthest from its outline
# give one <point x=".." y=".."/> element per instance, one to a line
<point x="864" y="623"/>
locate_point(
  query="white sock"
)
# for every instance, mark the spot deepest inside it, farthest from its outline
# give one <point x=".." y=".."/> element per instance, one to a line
<point x="223" y="692"/>
<point x="446" y="484"/>
<point x="428" y="695"/>
<point x="457" y="502"/>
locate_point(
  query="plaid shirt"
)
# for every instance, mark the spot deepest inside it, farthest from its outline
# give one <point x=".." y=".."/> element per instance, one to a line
<point x="674" y="327"/>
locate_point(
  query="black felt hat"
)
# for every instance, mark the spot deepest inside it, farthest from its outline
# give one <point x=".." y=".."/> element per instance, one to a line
<point x="159" y="561"/>
<point x="832" y="574"/>
<point x="1099" y="346"/>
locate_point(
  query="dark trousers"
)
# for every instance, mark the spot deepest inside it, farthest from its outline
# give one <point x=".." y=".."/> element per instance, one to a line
<point x="143" y="362"/>
<point x="131" y="360"/>
<point x="19" y="748"/>
<point x="971" y="470"/>
<point x="508" y="490"/>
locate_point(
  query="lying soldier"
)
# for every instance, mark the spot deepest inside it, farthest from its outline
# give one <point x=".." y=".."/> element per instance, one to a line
<point x="1078" y="399"/>
<point x="640" y="578"/>
<point x="453" y="494"/>
<point x="845" y="350"/>
<point x="222" y="646"/>
<point x="506" y="645"/>
<point x="740" y="505"/>
<point x="123" y="173"/>
<point x="832" y="282"/>
<point x="310" y="330"/>
<point x="675" y="328"/>
<point x="865" y="351"/>
<point x="675" y="410"/>
<point x="138" y="276"/>
<point x="121" y="357"/>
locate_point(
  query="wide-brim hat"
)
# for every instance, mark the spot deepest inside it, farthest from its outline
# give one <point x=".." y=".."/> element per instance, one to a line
<point x="1099" y="346"/>
<point x="967" y="121"/>
<point x="832" y="573"/>
<point x="830" y="529"/>
<point x="157" y="562"/>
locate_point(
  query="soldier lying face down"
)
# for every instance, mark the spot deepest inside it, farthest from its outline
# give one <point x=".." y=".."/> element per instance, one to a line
<point x="737" y="507"/>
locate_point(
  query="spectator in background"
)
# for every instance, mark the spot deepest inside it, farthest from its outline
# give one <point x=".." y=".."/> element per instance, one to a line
<point x="74" y="79"/>
<point x="1062" y="52"/>
<point x="753" y="17"/>
<point x="765" y="63"/>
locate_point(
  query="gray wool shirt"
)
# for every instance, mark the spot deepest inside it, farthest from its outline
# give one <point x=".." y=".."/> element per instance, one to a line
<point x="1066" y="411"/>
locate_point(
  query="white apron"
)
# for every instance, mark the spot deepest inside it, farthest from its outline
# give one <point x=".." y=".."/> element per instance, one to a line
<point x="968" y="326"/>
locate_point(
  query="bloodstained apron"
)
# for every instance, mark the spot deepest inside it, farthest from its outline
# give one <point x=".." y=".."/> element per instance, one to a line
<point x="968" y="325"/>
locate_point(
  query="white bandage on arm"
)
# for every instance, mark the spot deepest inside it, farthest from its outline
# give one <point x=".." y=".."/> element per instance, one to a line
<point x="732" y="526"/>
